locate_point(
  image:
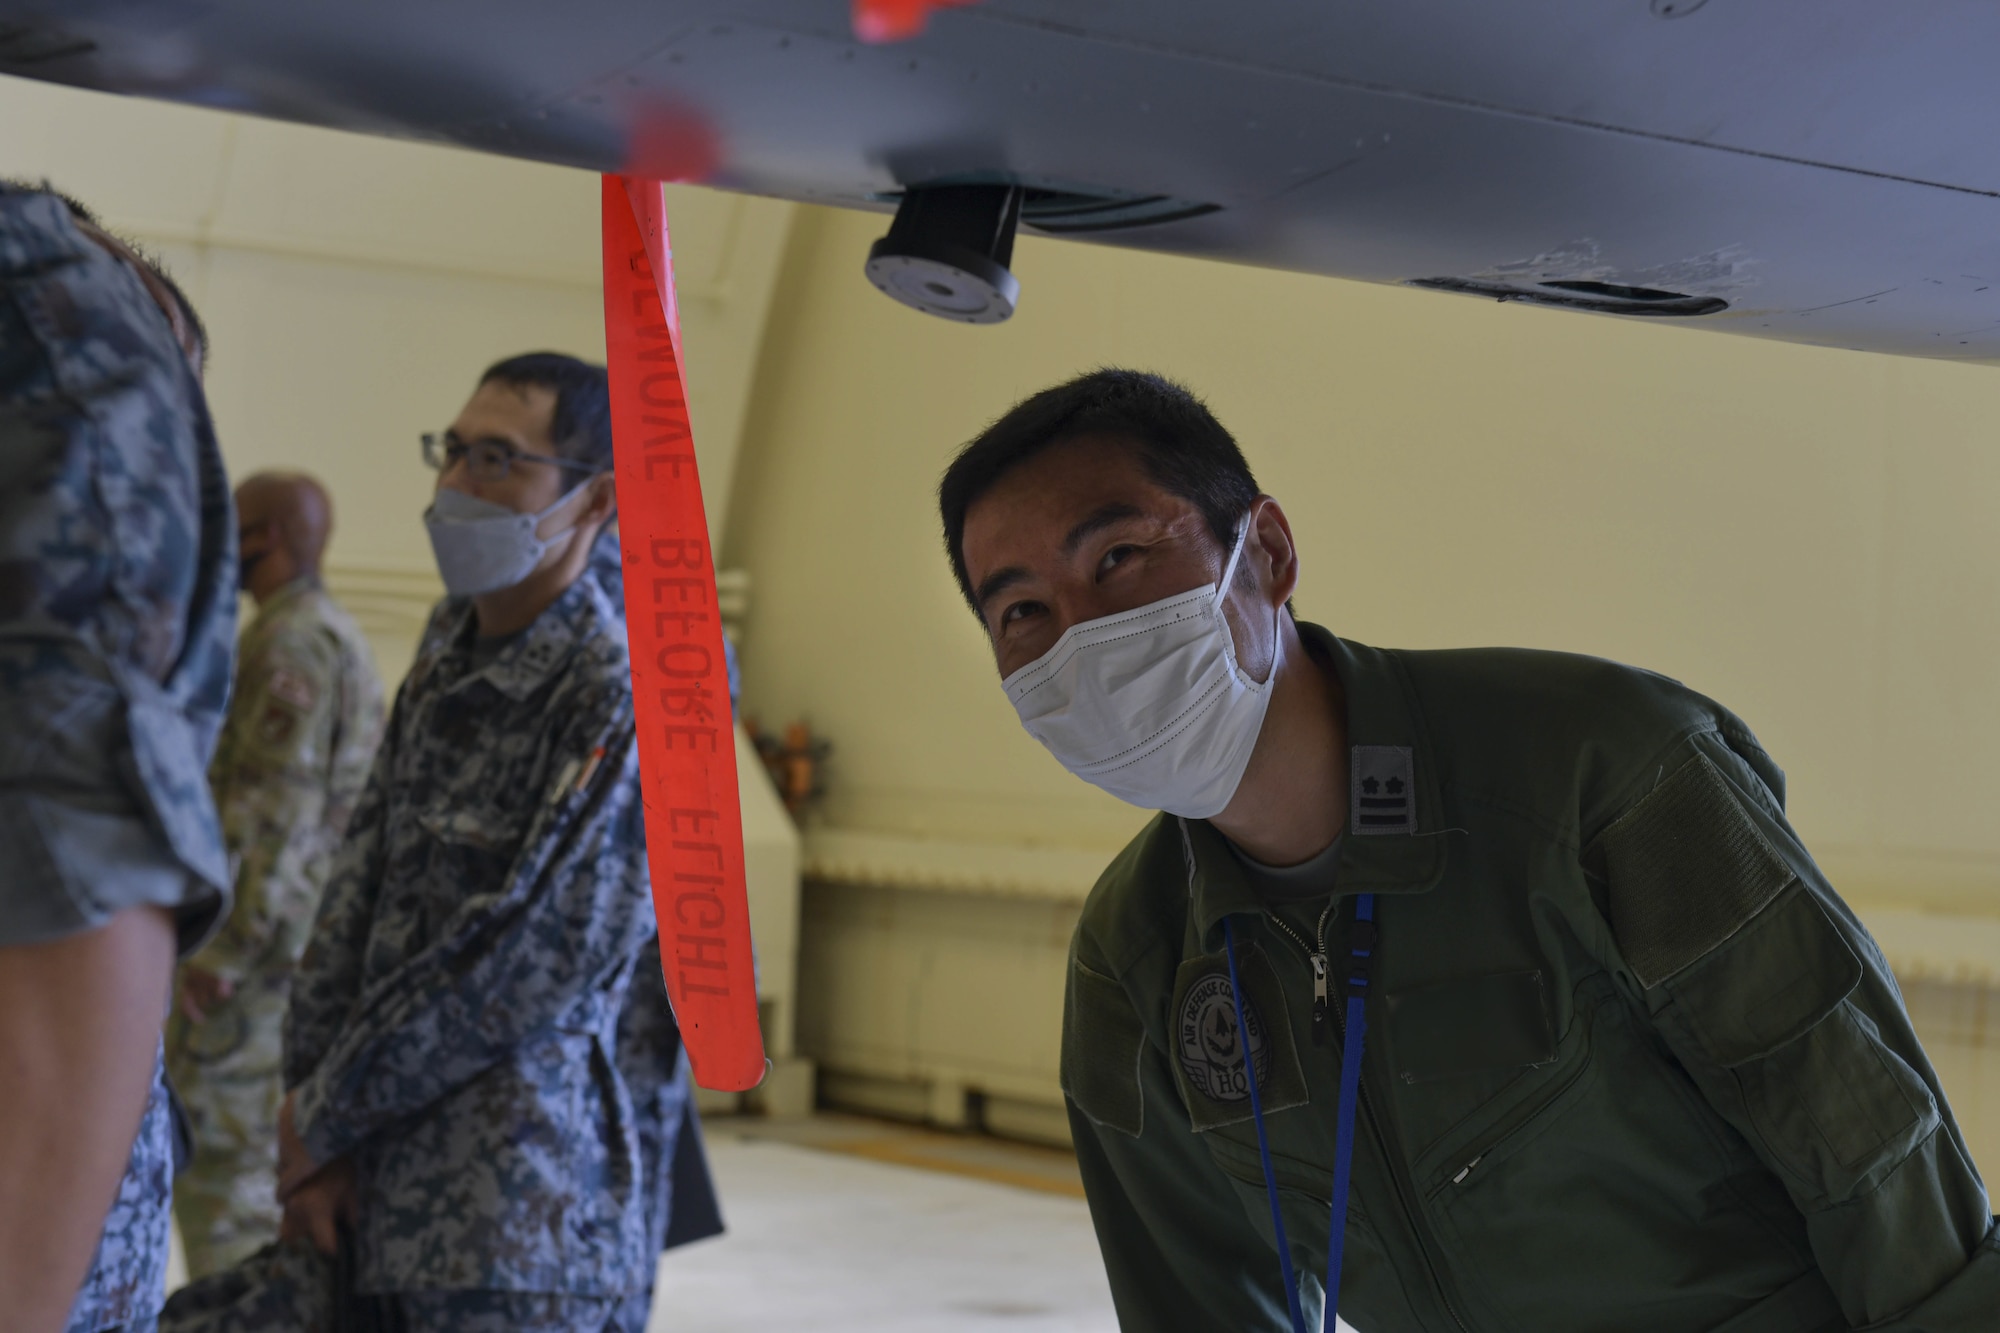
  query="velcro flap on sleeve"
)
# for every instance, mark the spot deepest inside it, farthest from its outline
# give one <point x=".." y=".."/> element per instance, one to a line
<point x="1687" y="869"/>
<point x="1102" y="1042"/>
<point x="1774" y="982"/>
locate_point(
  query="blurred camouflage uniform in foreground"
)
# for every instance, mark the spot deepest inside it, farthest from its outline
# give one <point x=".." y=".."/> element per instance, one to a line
<point x="452" y="1024"/>
<point x="294" y="754"/>
<point x="117" y="616"/>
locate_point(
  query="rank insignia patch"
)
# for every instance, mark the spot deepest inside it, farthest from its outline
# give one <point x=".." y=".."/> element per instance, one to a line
<point x="1384" y="790"/>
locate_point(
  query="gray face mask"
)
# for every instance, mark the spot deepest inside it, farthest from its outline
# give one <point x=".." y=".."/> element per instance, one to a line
<point x="483" y="547"/>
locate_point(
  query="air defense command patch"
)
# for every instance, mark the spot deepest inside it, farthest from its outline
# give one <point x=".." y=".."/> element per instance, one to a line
<point x="1211" y="1047"/>
<point x="1210" y="1063"/>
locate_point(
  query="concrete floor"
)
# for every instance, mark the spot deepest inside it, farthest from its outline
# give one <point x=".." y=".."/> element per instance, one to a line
<point x="840" y="1224"/>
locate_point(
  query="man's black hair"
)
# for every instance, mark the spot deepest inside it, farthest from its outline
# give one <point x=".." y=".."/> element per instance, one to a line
<point x="1182" y="447"/>
<point x="581" y="427"/>
<point x="82" y="213"/>
<point x="77" y="208"/>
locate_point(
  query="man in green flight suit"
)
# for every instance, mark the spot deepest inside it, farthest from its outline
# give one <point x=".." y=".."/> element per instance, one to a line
<point x="1630" y="1063"/>
<point x="294" y="756"/>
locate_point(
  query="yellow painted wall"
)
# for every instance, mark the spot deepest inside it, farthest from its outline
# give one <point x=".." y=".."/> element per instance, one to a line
<point x="355" y="287"/>
<point x="1805" y="534"/>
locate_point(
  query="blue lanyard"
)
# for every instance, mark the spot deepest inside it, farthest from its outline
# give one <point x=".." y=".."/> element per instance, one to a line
<point x="1361" y="949"/>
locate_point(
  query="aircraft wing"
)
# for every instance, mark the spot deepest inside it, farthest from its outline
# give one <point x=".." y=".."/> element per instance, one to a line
<point x="1822" y="171"/>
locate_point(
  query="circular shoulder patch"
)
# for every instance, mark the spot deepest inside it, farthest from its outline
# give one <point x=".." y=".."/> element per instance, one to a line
<point x="1210" y="1050"/>
<point x="219" y="1036"/>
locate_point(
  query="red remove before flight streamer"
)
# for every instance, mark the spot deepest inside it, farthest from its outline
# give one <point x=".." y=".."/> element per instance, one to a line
<point x="680" y="681"/>
<point x="896" y="20"/>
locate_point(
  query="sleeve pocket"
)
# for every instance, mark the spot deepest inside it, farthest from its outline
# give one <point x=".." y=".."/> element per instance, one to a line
<point x="1102" y="1042"/>
<point x="1778" y="979"/>
<point x="1839" y="1107"/>
<point x="1830" y="1099"/>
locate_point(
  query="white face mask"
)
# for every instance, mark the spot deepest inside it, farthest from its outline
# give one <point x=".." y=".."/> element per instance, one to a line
<point x="1150" y="704"/>
<point x="483" y="547"/>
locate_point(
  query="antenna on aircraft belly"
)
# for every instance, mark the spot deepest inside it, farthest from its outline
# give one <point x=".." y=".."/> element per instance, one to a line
<point x="947" y="252"/>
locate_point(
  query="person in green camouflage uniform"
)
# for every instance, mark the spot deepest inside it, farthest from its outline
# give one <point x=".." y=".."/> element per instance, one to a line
<point x="294" y="755"/>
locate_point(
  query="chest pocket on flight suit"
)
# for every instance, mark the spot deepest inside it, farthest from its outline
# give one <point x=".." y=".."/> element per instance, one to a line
<point x="1471" y="1025"/>
<point x="1103" y="1043"/>
<point x="471" y="852"/>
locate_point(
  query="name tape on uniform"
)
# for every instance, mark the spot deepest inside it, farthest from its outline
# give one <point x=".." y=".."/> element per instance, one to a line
<point x="680" y="679"/>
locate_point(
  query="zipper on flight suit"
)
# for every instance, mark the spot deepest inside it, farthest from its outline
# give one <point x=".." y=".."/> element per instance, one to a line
<point x="1322" y="1002"/>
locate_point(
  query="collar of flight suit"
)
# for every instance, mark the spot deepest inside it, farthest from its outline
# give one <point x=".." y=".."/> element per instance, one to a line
<point x="534" y="654"/>
<point x="1381" y="710"/>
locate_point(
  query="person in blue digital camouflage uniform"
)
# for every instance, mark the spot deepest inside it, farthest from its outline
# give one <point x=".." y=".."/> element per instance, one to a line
<point x="456" y="1098"/>
<point x="681" y="1203"/>
<point x="117" y="618"/>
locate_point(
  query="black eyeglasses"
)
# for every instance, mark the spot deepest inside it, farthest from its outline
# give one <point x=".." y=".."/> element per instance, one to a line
<point x="488" y="460"/>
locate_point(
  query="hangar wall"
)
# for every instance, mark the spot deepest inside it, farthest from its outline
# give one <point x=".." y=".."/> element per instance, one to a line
<point x="1805" y="534"/>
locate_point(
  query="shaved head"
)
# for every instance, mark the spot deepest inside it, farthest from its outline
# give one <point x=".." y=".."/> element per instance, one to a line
<point x="293" y="509"/>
